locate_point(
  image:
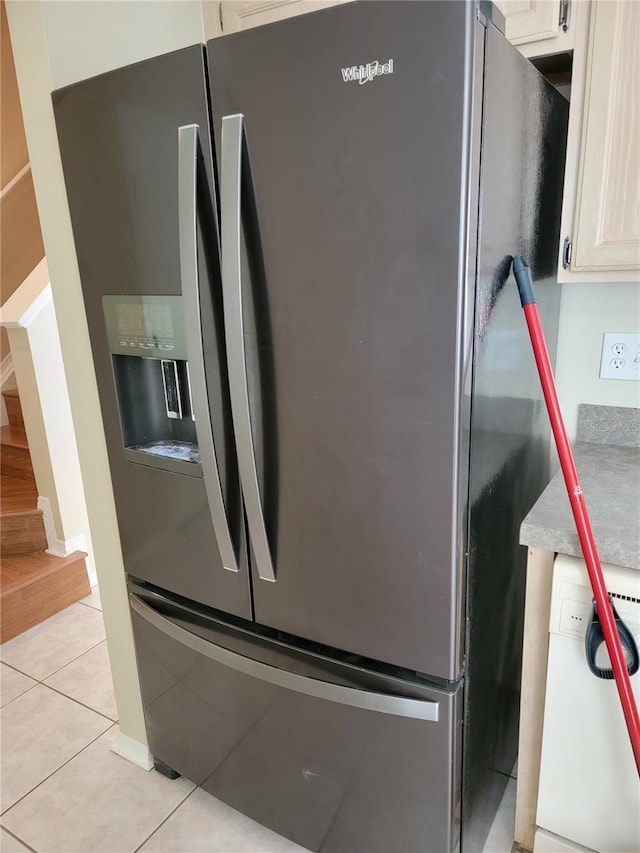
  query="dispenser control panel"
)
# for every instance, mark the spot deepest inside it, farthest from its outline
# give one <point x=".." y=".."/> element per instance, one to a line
<point x="147" y="326"/>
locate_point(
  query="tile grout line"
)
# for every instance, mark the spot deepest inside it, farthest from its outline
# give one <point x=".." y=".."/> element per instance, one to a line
<point x="40" y="680"/>
<point x="73" y="660"/>
<point x="17" y="838"/>
<point x="55" y="671"/>
<point x="24" y="693"/>
<point x="64" y="764"/>
<point x="15" y="669"/>
<point x="92" y="606"/>
<point x="58" y="691"/>
<point x="162" y="822"/>
<point x="73" y="699"/>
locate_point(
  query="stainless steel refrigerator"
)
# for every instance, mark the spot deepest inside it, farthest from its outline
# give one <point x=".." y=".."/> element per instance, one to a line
<point x="323" y="420"/>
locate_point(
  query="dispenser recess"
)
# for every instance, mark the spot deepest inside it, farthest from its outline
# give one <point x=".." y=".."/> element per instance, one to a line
<point x="151" y="373"/>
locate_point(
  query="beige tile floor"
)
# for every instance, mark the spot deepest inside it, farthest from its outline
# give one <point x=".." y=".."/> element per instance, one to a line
<point x="62" y="790"/>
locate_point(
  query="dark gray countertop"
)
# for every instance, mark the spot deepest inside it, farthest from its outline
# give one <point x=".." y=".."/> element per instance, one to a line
<point x="610" y="479"/>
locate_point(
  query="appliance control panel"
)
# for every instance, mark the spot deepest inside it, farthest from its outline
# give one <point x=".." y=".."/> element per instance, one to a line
<point x="147" y="326"/>
<point x="574" y="616"/>
<point x="572" y="599"/>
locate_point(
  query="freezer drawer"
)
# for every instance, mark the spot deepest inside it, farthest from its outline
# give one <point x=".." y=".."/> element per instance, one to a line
<point x="291" y="740"/>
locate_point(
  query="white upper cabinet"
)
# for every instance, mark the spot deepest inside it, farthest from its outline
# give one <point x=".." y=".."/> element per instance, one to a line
<point x="600" y="236"/>
<point x="538" y="27"/>
<point x="606" y="222"/>
<point x="235" y="15"/>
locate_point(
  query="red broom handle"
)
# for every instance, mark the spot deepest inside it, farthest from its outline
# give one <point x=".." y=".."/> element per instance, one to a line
<point x="578" y="506"/>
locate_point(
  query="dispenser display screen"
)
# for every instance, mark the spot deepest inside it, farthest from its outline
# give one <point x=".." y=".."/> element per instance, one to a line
<point x="145" y="325"/>
<point x="150" y="326"/>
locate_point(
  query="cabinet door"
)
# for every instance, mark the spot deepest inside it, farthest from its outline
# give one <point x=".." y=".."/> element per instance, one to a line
<point x="540" y="27"/>
<point x="241" y="14"/>
<point x="530" y="20"/>
<point x="607" y="220"/>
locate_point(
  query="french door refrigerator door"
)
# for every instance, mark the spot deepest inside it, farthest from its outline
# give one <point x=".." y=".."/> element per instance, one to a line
<point x="333" y="756"/>
<point x="141" y="199"/>
<point x="344" y="132"/>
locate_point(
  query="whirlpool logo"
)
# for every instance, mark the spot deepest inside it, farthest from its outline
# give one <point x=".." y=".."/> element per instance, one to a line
<point x="367" y="73"/>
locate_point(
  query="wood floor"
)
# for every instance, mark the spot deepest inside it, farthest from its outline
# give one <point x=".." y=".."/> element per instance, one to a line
<point x="33" y="584"/>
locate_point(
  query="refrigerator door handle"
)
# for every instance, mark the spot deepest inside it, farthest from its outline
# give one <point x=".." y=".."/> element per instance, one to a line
<point x="188" y="153"/>
<point x="231" y="224"/>
<point x="383" y="703"/>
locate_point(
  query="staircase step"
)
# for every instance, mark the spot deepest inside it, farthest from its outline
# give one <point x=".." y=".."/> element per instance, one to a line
<point x="35" y="586"/>
<point x="13" y="436"/>
<point x="21" y="523"/>
<point x="17" y="495"/>
<point x="16" y="459"/>
<point x="14" y="409"/>
<point x="22" y="533"/>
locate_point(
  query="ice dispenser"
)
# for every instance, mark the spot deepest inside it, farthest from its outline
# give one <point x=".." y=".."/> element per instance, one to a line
<point x="151" y="372"/>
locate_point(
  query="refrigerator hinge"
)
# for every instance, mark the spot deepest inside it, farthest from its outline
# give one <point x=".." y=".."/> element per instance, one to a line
<point x="487" y="13"/>
<point x="566" y="253"/>
<point x="563" y="20"/>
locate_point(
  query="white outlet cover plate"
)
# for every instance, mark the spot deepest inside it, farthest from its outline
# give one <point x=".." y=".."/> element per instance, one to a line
<point x="620" y="356"/>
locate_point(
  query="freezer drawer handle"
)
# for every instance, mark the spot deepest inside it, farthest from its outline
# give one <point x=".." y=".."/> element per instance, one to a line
<point x="230" y="226"/>
<point x="397" y="706"/>
<point x="188" y="153"/>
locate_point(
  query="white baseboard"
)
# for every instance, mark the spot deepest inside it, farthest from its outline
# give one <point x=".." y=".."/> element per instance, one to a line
<point x="134" y="751"/>
<point x="61" y="547"/>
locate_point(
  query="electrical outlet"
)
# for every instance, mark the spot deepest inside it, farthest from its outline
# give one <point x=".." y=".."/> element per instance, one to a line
<point x="620" y="356"/>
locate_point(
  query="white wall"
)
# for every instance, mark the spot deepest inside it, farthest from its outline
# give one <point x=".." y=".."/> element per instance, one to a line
<point x="587" y="311"/>
<point x="54" y="44"/>
<point x="92" y="36"/>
